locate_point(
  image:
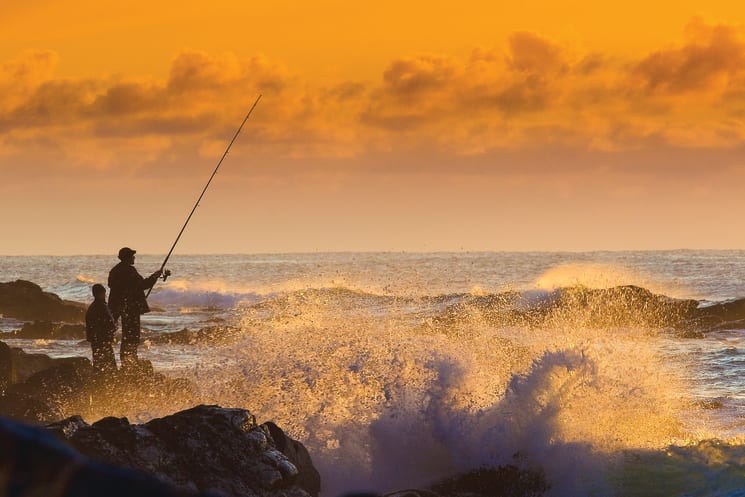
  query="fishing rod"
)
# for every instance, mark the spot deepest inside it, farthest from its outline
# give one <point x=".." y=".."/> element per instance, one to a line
<point x="196" y="204"/>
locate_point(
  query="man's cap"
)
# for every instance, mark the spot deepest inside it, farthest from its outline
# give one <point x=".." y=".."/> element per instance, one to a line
<point x="126" y="252"/>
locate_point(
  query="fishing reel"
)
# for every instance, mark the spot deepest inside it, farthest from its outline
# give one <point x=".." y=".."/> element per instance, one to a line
<point x="166" y="273"/>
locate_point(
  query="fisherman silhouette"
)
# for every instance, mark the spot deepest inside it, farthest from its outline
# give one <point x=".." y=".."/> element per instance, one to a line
<point x="99" y="331"/>
<point x="128" y="301"/>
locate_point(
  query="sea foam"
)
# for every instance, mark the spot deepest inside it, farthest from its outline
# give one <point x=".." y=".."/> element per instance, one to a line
<point x="384" y="405"/>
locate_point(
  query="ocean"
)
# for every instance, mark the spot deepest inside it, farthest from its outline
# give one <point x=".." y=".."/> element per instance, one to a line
<point x="390" y="368"/>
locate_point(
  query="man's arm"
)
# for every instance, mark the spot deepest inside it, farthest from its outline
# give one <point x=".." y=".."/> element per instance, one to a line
<point x="150" y="280"/>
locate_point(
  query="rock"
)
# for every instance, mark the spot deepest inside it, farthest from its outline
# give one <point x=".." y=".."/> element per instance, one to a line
<point x="298" y="455"/>
<point x="621" y="306"/>
<point x="181" y="337"/>
<point x="67" y="427"/>
<point x="34" y="462"/>
<point x="35" y="330"/>
<point x="723" y="311"/>
<point x="44" y="390"/>
<point x="26" y="301"/>
<point x="6" y="366"/>
<point x="25" y="364"/>
<point x="209" y="334"/>
<point x="51" y="331"/>
<point x="67" y="331"/>
<point x="49" y="394"/>
<point x="203" y="448"/>
<point x="20" y="405"/>
<point x="504" y="481"/>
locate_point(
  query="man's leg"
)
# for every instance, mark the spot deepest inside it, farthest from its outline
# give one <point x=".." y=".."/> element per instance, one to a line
<point x="108" y="361"/>
<point x="103" y="357"/>
<point x="96" y="356"/>
<point x="130" y="340"/>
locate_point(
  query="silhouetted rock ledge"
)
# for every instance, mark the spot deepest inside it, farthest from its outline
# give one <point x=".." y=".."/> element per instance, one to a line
<point x="38" y="389"/>
<point x="504" y="481"/>
<point x="26" y="301"/>
<point x="33" y="462"/>
<point x="205" y="450"/>
<point x="50" y="331"/>
<point x="210" y="334"/>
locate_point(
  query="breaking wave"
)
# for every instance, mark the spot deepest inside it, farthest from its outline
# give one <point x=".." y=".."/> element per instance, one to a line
<point x="384" y="403"/>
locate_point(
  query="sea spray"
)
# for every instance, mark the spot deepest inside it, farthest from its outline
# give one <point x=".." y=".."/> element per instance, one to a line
<point x="384" y="403"/>
<point x="365" y="355"/>
<point x="595" y="275"/>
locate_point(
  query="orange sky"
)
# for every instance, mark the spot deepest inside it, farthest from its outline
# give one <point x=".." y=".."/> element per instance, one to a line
<point x="412" y="126"/>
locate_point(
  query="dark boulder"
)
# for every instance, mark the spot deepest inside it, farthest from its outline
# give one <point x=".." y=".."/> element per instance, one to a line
<point x="34" y="462"/>
<point x="729" y="315"/>
<point x="503" y="481"/>
<point x="50" y="331"/>
<point x="605" y="308"/>
<point x="6" y="366"/>
<point x="35" y="330"/>
<point x="22" y="406"/>
<point x="40" y="389"/>
<point x="49" y="394"/>
<point x="204" y="448"/>
<point x="723" y="311"/>
<point x="24" y="364"/>
<point x="622" y="306"/>
<point x="26" y="301"/>
<point x="309" y="478"/>
<point x="209" y="334"/>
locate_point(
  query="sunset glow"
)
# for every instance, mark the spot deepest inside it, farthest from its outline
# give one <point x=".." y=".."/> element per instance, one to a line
<point x="389" y="126"/>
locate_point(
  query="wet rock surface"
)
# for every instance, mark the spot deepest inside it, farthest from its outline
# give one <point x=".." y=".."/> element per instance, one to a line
<point x="33" y="462"/>
<point x="205" y="448"/>
<point x="503" y="481"/>
<point x="620" y="306"/>
<point x="39" y="389"/>
<point x="209" y="334"/>
<point x="49" y="330"/>
<point x="26" y="301"/>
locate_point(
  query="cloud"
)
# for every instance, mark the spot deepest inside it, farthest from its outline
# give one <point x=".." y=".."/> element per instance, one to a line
<point x="196" y="81"/>
<point x="54" y="103"/>
<point x="532" y="53"/>
<point x="204" y="97"/>
<point x="417" y="77"/>
<point x="712" y="55"/>
<point x="127" y="98"/>
<point x="430" y="90"/>
<point x="530" y="93"/>
<point x="21" y="76"/>
<point x="538" y="93"/>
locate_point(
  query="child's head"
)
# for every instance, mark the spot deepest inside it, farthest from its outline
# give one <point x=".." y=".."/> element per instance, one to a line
<point x="99" y="291"/>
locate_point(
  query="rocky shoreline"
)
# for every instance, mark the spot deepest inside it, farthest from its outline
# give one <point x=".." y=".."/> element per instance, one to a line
<point x="197" y="451"/>
<point x="203" y="449"/>
<point x="49" y="447"/>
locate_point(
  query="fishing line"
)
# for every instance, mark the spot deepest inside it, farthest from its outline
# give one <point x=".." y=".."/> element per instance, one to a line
<point x="196" y="204"/>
